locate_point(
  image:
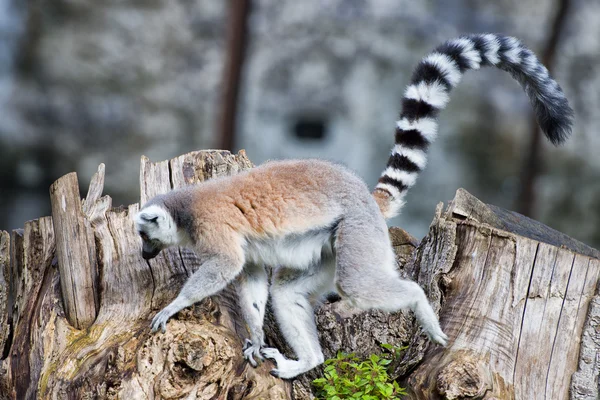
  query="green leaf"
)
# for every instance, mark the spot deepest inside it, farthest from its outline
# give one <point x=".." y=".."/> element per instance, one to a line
<point x="389" y="389"/>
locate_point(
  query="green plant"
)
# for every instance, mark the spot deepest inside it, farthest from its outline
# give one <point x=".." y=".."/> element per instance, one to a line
<point x="347" y="377"/>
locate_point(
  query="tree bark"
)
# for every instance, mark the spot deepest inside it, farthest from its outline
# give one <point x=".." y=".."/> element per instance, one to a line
<point x="518" y="300"/>
<point x="515" y="308"/>
<point x="75" y="252"/>
<point x="116" y="357"/>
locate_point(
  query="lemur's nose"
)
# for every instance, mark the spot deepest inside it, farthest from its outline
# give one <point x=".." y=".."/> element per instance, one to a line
<point x="148" y="255"/>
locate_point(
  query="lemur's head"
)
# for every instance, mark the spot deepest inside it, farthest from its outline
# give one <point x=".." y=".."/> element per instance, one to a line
<point x="157" y="229"/>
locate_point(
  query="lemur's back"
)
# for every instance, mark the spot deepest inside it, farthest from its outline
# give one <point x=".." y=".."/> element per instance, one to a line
<point x="283" y="197"/>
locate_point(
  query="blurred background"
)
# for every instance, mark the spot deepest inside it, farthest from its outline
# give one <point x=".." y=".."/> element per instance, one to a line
<point x="84" y="82"/>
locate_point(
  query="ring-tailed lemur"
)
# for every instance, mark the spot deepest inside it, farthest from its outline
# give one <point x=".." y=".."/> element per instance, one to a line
<point x="316" y="224"/>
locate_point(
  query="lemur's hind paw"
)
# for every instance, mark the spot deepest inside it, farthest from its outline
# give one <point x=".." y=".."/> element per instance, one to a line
<point x="288" y="369"/>
<point x="272" y="354"/>
<point x="252" y="353"/>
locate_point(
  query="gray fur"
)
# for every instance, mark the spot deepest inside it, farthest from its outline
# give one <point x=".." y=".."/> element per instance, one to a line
<point x="253" y="289"/>
<point x="177" y="203"/>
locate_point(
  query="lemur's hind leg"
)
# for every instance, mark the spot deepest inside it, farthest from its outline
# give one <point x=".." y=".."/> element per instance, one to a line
<point x="293" y="294"/>
<point x="367" y="278"/>
<point x="252" y="287"/>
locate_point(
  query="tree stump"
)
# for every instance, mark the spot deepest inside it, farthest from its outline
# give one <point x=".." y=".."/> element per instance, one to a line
<point x="116" y="356"/>
<point x="516" y="307"/>
<point x="519" y="301"/>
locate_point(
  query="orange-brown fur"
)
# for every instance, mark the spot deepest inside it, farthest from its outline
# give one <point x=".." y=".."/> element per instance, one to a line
<point x="272" y="200"/>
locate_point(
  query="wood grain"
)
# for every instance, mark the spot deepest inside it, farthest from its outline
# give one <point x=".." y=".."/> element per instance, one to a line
<point x="35" y="275"/>
<point x="200" y="355"/>
<point x="467" y="206"/>
<point x="585" y="383"/>
<point x="155" y="178"/>
<point x="512" y="306"/>
<point x="76" y="252"/>
<point x="5" y="306"/>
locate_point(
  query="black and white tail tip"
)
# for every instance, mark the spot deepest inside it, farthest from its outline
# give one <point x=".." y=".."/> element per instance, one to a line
<point x="428" y="94"/>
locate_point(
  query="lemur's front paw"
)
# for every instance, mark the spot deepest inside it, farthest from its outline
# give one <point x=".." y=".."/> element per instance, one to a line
<point x="160" y="321"/>
<point x="252" y="353"/>
<point x="438" y="337"/>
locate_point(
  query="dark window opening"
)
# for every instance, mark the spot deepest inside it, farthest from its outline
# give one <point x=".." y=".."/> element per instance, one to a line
<point x="310" y="128"/>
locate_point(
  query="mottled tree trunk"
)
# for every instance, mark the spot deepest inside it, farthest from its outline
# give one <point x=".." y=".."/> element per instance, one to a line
<point x="521" y="309"/>
<point x="518" y="300"/>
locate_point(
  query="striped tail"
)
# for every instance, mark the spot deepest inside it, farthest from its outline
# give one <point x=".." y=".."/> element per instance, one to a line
<point x="428" y="93"/>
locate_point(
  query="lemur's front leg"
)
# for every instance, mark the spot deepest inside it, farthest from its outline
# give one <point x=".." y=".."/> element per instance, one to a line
<point x="253" y="289"/>
<point x="211" y="277"/>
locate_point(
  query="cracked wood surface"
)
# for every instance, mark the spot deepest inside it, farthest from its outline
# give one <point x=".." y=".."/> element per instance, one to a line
<point x="5" y="307"/>
<point x="75" y="252"/>
<point x="514" y="308"/>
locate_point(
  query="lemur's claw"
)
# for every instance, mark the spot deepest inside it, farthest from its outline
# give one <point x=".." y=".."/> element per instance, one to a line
<point x="439" y="338"/>
<point x="160" y="322"/>
<point x="252" y="353"/>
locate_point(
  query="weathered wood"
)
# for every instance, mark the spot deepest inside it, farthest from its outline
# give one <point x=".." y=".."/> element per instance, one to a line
<point x="199" y="166"/>
<point x="514" y="305"/>
<point x="466" y="206"/>
<point x="35" y="276"/>
<point x="94" y="191"/>
<point x="513" y="308"/>
<point x="76" y="252"/>
<point x="5" y="307"/>
<point x="200" y="356"/>
<point x="155" y="178"/>
<point x="17" y="256"/>
<point x="585" y="383"/>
